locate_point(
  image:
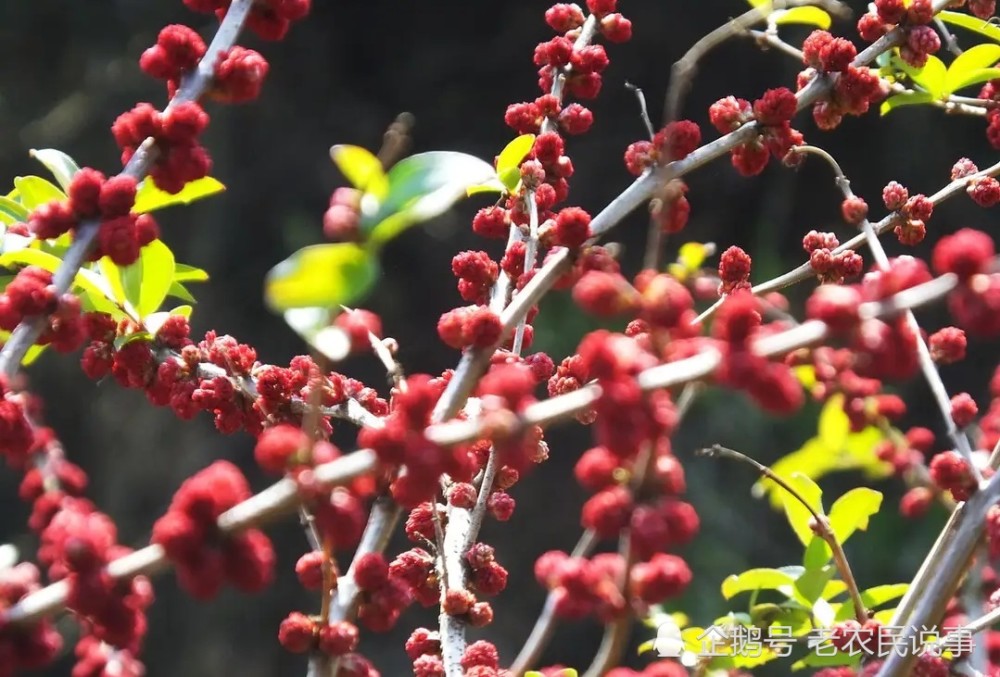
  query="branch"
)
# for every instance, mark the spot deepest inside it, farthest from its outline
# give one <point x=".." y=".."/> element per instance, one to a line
<point x="927" y="366"/>
<point x="822" y="523"/>
<point x="684" y="70"/>
<point x="192" y="87"/>
<point x="805" y="272"/>
<point x="279" y="499"/>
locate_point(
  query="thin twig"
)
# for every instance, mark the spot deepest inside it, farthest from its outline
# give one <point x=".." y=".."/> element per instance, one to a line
<point x="820" y="524"/>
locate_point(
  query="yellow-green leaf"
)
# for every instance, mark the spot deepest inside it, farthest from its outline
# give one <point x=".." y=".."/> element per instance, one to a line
<point x="494" y="185"/>
<point x="813" y="16"/>
<point x="35" y="191"/>
<point x="85" y="279"/>
<point x="34" y="352"/>
<point x="62" y="166"/>
<point x="905" y="99"/>
<point x="971" y="23"/>
<point x="756" y="579"/>
<point x="797" y="513"/>
<point x="510" y="158"/>
<point x="111" y="272"/>
<point x="12" y="212"/>
<point x="421" y="187"/>
<point x="834" y="426"/>
<point x="873" y="598"/>
<point x="362" y="169"/>
<point x="185" y="273"/>
<point x="851" y="511"/>
<point x="178" y="290"/>
<point x="147" y="281"/>
<point x="975" y="58"/>
<point x="930" y="76"/>
<point x="150" y="198"/>
<point x="324" y="275"/>
<point x="973" y="77"/>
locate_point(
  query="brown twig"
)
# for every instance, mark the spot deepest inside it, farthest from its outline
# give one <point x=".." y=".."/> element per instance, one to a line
<point x="820" y="523"/>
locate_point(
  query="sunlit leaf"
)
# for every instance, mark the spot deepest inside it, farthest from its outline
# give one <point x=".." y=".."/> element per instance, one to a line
<point x="971" y="23"/>
<point x="421" y="187"/>
<point x="809" y="587"/>
<point x="85" y="279"/>
<point x="493" y="185"/>
<point x="973" y="59"/>
<point x="814" y="16"/>
<point x="313" y="325"/>
<point x="756" y="579"/>
<point x="62" y="166"/>
<point x="817" y="554"/>
<point x="873" y="598"/>
<point x="905" y="99"/>
<point x="324" y="275"/>
<point x="797" y="513"/>
<point x="806" y="375"/>
<point x="362" y="169"/>
<point x="178" y="290"/>
<point x="150" y="198"/>
<point x="930" y="76"/>
<point x="34" y="352"/>
<point x="36" y="191"/>
<point x="834" y="425"/>
<point x="816" y="660"/>
<point x="147" y="281"/>
<point x="510" y="158"/>
<point x="973" y="77"/>
<point x="185" y="273"/>
<point x="113" y="274"/>
<point x="12" y="212"/>
<point x="851" y="511"/>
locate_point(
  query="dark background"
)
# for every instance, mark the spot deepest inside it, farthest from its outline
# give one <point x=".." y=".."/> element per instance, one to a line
<point x="66" y="71"/>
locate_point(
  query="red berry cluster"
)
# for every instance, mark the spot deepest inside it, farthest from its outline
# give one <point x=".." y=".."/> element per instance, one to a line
<point x="269" y="19"/>
<point x="32" y="647"/>
<point x="218" y="375"/>
<point x="772" y="385"/>
<point x="830" y="267"/>
<point x="402" y="442"/>
<point x="774" y="112"/>
<point x="300" y="633"/>
<point x="921" y="39"/>
<point x="76" y="545"/>
<point x="203" y="556"/>
<point x="179" y="157"/>
<point x="32" y="293"/>
<point x="968" y="254"/>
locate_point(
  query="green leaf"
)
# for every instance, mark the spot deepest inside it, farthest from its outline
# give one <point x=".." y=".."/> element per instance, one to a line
<point x="36" y="257"/>
<point x="834" y="426"/>
<point x="313" y="325"/>
<point x="179" y="291"/>
<point x="756" y="579"/>
<point x="323" y="275"/>
<point x="362" y="169"/>
<point x="984" y="28"/>
<point x="813" y="16"/>
<point x="873" y="598"/>
<point x="111" y="272"/>
<point x="797" y="513"/>
<point x="150" y="198"/>
<point x="851" y="511"/>
<point x="817" y="554"/>
<point x="61" y="165"/>
<point x="493" y="185"/>
<point x="36" y="191"/>
<point x="12" y="212"/>
<point x="147" y="281"/>
<point x="907" y="99"/>
<point x="421" y="187"/>
<point x="931" y="76"/>
<point x="815" y="660"/>
<point x="974" y="77"/>
<point x="809" y="587"/>
<point x="510" y="158"/>
<point x="973" y="59"/>
<point x="185" y="273"/>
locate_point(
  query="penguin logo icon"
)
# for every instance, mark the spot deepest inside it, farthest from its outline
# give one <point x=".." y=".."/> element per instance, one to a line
<point x="668" y="643"/>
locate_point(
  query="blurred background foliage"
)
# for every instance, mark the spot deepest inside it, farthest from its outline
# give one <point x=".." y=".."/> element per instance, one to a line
<point x="68" y="69"/>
